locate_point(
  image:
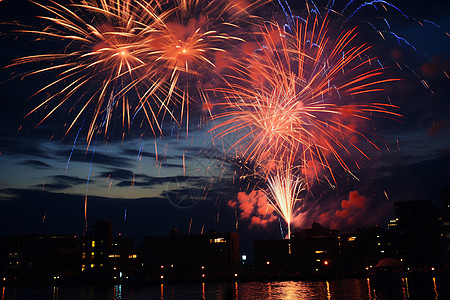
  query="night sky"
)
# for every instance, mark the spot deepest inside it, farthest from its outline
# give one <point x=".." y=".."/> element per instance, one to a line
<point x="45" y="176"/>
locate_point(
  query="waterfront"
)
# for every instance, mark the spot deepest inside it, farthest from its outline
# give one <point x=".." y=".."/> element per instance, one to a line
<point x="413" y="288"/>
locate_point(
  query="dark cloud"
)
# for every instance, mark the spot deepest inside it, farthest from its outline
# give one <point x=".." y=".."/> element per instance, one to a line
<point x="97" y="158"/>
<point x="36" y="164"/>
<point x="135" y="153"/>
<point x="53" y="186"/>
<point x="150" y="181"/>
<point x="62" y="182"/>
<point x="118" y="174"/>
<point x="72" y="180"/>
<point x="22" y="146"/>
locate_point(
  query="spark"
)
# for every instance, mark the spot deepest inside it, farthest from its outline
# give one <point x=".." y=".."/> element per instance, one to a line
<point x="124" y="58"/>
<point x="294" y="98"/>
<point x="283" y="192"/>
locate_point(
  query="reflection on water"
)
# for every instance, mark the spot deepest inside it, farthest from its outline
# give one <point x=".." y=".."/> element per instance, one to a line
<point x="328" y="291"/>
<point x="117" y="292"/>
<point x="410" y="289"/>
<point x="55" y="293"/>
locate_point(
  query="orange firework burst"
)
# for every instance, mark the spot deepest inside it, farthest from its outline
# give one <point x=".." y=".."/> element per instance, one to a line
<point x="182" y="49"/>
<point x="100" y="58"/>
<point x="124" y="57"/>
<point x="293" y="98"/>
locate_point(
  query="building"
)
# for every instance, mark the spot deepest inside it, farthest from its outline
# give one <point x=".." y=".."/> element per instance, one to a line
<point x="191" y="257"/>
<point x="362" y="249"/>
<point x="310" y="252"/>
<point x="418" y="234"/>
<point x="38" y="259"/>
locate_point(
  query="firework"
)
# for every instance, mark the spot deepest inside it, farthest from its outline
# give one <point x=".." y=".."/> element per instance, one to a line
<point x="283" y="192"/>
<point x="181" y="51"/>
<point x="122" y="58"/>
<point x="98" y="65"/>
<point x="294" y="97"/>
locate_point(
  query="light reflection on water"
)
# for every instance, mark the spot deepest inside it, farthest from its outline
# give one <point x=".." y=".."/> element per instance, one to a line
<point x="429" y="288"/>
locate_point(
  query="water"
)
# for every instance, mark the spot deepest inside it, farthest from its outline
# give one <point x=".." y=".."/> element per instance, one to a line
<point x="343" y="289"/>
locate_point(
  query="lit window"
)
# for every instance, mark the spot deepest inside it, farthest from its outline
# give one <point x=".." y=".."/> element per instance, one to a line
<point x="83" y="256"/>
<point x="83" y="267"/>
<point x="93" y="244"/>
<point x="320" y="251"/>
<point x="132" y="256"/>
<point x="92" y="254"/>
<point x="92" y="266"/>
<point x="217" y="240"/>
<point x="351" y="239"/>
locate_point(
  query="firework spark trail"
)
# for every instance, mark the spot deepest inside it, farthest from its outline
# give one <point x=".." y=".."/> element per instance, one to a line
<point x="293" y="98"/>
<point x="96" y="69"/>
<point x="183" y="48"/>
<point x="283" y="192"/>
<point x="87" y="188"/>
<point x="124" y="57"/>
<point x="74" y="145"/>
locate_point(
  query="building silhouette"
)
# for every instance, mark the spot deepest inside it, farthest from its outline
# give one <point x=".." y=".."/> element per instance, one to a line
<point x="309" y="252"/>
<point x="191" y="257"/>
<point x="417" y="240"/>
